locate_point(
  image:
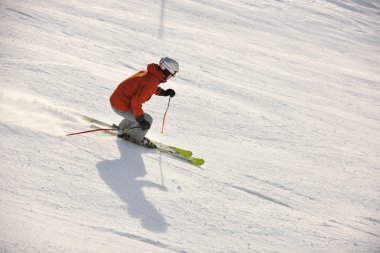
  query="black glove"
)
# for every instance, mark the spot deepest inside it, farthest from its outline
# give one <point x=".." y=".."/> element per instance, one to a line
<point x="144" y="124"/>
<point x="168" y="92"/>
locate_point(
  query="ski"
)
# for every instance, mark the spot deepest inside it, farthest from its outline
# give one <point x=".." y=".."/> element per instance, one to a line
<point x="183" y="154"/>
<point x="95" y="121"/>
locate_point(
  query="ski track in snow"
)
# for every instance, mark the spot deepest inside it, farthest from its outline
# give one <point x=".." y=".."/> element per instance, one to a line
<point x="281" y="98"/>
<point x="30" y="113"/>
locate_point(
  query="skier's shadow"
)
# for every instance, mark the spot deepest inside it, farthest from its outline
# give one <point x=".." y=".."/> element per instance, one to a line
<point x="121" y="177"/>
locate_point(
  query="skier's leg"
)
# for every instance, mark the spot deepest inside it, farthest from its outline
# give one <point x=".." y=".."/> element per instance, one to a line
<point x="137" y="133"/>
<point x="130" y="121"/>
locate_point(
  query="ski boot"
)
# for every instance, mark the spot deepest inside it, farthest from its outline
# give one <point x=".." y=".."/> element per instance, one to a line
<point x="124" y="136"/>
<point x="145" y="142"/>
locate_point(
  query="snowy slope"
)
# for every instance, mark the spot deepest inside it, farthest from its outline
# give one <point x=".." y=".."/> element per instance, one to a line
<point x="281" y="98"/>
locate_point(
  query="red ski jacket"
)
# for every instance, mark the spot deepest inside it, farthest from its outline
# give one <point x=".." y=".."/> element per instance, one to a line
<point x="137" y="89"/>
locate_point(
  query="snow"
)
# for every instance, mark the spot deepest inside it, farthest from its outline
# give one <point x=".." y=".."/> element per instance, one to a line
<point x="281" y="98"/>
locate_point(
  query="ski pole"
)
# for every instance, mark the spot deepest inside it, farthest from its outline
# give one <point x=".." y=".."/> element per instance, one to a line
<point x="101" y="129"/>
<point x="90" y="131"/>
<point x="163" y="120"/>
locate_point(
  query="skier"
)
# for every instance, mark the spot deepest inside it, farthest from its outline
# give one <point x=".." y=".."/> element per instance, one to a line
<point x="129" y="96"/>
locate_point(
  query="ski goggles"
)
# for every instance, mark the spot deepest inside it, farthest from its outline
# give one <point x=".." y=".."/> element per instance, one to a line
<point x="167" y="73"/>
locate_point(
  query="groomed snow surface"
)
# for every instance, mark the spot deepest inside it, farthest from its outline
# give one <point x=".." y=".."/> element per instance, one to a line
<point x="281" y="98"/>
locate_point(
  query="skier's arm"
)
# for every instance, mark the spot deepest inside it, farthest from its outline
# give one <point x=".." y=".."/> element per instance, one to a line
<point x="136" y="104"/>
<point x="141" y="96"/>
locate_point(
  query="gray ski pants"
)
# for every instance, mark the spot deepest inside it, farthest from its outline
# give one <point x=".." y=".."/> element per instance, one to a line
<point x="130" y="121"/>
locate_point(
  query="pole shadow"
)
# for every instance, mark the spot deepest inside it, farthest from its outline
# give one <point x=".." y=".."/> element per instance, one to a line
<point x="122" y="175"/>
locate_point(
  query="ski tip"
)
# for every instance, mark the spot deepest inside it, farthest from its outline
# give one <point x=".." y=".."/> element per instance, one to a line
<point x="185" y="153"/>
<point x="196" y="161"/>
<point x="86" y="118"/>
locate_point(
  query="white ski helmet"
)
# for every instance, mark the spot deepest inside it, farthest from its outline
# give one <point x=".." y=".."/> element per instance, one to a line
<point x="171" y="65"/>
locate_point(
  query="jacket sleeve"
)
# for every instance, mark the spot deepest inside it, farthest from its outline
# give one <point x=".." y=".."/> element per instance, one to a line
<point x="142" y="95"/>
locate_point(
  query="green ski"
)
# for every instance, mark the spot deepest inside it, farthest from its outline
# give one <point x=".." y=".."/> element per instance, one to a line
<point x="183" y="154"/>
